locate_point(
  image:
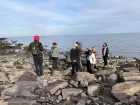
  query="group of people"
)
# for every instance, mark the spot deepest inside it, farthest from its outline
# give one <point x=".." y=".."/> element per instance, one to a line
<point x="36" y="48"/>
<point x="91" y="57"/>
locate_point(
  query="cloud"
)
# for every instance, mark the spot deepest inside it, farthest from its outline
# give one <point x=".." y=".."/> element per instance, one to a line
<point x="64" y="17"/>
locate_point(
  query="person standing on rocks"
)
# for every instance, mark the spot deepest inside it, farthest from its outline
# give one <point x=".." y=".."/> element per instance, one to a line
<point x="90" y="61"/>
<point x="105" y="52"/>
<point x="75" y="58"/>
<point x="55" y="55"/>
<point x="36" y="48"/>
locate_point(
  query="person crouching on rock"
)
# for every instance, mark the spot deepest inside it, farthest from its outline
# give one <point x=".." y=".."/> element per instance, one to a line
<point x="55" y="55"/>
<point x="105" y="52"/>
<point x="36" y="48"/>
<point x="90" y="61"/>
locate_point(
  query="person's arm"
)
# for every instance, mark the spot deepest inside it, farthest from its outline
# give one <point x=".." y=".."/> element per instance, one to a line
<point x="41" y="47"/>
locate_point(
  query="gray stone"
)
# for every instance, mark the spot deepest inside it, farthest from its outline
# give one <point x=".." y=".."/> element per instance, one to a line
<point x="81" y="102"/>
<point x="130" y="69"/>
<point x="19" y="101"/>
<point x="112" y="79"/>
<point x="132" y="78"/>
<point x="60" y="97"/>
<point x="7" y="63"/>
<point x="126" y="89"/>
<point x="17" y="89"/>
<point x="74" y="83"/>
<point x="28" y="76"/>
<point x="82" y="76"/>
<point x="93" y="90"/>
<point x="57" y="74"/>
<point x="39" y="91"/>
<point x="52" y="88"/>
<point x="118" y="103"/>
<point x="3" y="78"/>
<point x="83" y="95"/>
<point x="58" y="93"/>
<point x="5" y="69"/>
<point x="14" y="76"/>
<point x="70" y="91"/>
<point x="84" y="83"/>
<point x="127" y="74"/>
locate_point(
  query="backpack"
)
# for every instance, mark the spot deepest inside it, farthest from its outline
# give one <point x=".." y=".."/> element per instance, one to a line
<point x="35" y="48"/>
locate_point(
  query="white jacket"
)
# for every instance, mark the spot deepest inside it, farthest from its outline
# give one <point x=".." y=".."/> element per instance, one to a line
<point x="92" y="59"/>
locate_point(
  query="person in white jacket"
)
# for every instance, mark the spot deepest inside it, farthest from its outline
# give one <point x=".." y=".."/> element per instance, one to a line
<point x="90" y="61"/>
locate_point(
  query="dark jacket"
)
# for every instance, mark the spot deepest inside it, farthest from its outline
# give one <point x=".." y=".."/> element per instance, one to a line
<point x="106" y="53"/>
<point x="75" y="54"/>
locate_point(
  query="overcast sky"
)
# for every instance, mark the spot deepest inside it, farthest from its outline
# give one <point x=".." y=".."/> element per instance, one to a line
<point x="68" y="17"/>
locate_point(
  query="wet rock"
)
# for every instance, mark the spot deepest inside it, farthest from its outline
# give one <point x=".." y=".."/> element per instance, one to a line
<point x="28" y="76"/>
<point x="82" y="76"/>
<point x="70" y="91"/>
<point x="20" y="87"/>
<point x="52" y="88"/>
<point x="126" y="89"/>
<point x="112" y="79"/>
<point x="93" y="90"/>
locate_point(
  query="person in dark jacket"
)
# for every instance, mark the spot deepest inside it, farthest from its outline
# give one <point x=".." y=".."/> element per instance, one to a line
<point x="36" y="48"/>
<point x="105" y="52"/>
<point x="75" y="58"/>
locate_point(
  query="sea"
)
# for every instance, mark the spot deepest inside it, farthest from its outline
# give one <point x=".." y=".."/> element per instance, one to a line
<point x="119" y="44"/>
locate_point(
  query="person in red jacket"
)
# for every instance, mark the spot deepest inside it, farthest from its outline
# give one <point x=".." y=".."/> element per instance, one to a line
<point x="96" y="54"/>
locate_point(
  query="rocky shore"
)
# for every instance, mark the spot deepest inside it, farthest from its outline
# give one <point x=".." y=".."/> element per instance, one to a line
<point x="117" y="84"/>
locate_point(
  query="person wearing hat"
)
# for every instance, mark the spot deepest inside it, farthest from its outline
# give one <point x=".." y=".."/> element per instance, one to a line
<point x="55" y="55"/>
<point x="36" y="49"/>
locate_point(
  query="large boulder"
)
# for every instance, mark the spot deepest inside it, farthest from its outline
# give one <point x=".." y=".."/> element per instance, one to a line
<point x="19" y="88"/>
<point x="126" y="89"/>
<point x="28" y="76"/>
<point x="14" y="76"/>
<point x="112" y="79"/>
<point x="93" y="90"/>
<point x="54" y="87"/>
<point x="70" y="91"/>
<point x="82" y="76"/>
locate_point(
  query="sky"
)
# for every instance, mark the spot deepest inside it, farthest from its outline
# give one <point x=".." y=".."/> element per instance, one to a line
<point x="68" y="17"/>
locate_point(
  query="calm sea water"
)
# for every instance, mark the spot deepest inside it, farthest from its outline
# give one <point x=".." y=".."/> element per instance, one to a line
<point x="119" y="44"/>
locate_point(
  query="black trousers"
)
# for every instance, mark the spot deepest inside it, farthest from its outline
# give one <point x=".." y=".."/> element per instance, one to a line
<point x="74" y="67"/>
<point x="38" y="64"/>
<point x="89" y="67"/>
<point x="105" y="60"/>
<point x="54" y="62"/>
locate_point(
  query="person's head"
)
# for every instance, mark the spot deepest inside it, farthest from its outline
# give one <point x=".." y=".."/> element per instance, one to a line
<point x="36" y="38"/>
<point x="76" y="44"/>
<point x="93" y="49"/>
<point x="105" y="45"/>
<point x="54" y="44"/>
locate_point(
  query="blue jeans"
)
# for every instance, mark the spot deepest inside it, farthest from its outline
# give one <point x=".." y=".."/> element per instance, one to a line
<point x="38" y="64"/>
